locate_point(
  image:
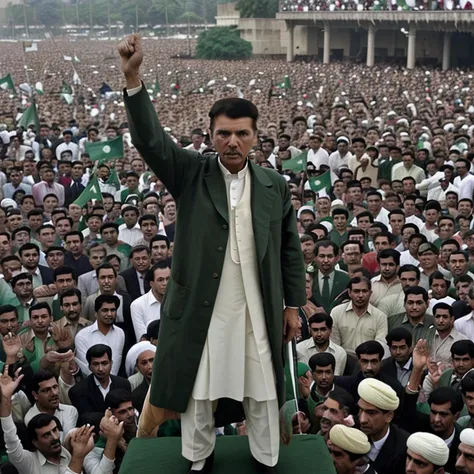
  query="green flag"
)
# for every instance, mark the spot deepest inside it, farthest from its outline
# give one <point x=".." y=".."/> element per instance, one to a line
<point x="30" y="117"/>
<point x="39" y="88"/>
<point x="104" y="151"/>
<point x="92" y="191"/>
<point x="66" y="88"/>
<point x="287" y="83"/>
<point x="7" y="83"/>
<point x="321" y="182"/>
<point x="114" y="179"/>
<point x="296" y="164"/>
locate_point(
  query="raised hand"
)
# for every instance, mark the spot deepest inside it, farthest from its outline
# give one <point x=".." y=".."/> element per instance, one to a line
<point x="62" y="337"/>
<point x="110" y="426"/>
<point x="12" y="346"/>
<point x="8" y="385"/>
<point x="131" y="55"/>
<point x="82" y="441"/>
<point x="420" y="354"/>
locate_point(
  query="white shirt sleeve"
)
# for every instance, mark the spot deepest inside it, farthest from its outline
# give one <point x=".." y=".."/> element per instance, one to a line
<point x="134" y="91"/>
<point x="138" y="318"/>
<point x="117" y="356"/>
<point x="96" y="463"/>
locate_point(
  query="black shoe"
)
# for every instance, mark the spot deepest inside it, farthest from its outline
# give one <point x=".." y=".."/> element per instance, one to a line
<point x="262" y="469"/>
<point x="207" y="469"/>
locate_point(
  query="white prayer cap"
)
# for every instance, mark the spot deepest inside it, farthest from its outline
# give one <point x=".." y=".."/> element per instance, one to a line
<point x="342" y="139"/>
<point x="392" y="113"/>
<point x="402" y="121"/>
<point x="379" y="394"/>
<point x="304" y="208"/>
<point x="467" y="437"/>
<point x="337" y="203"/>
<point x="349" y="439"/>
<point x="134" y="353"/>
<point x="430" y="447"/>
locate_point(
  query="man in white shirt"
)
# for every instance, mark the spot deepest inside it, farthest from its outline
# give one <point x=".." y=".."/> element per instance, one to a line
<point x="317" y="155"/>
<point x="146" y="309"/>
<point x="465" y="325"/>
<point x="340" y="158"/>
<point x="67" y="144"/>
<point x="197" y="141"/>
<point x="130" y="232"/>
<point x="103" y="331"/>
<point x="321" y="326"/>
<point x="464" y="181"/>
<point x="408" y="168"/>
<point x="45" y="390"/>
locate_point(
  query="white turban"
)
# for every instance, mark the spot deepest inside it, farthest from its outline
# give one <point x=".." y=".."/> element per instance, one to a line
<point x="349" y="439"/>
<point x="134" y="353"/>
<point x="467" y="436"/>
<point x="379" y="394"/>
<point x="430" y="447"/>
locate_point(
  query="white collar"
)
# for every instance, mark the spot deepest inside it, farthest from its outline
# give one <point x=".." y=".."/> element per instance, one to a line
<point x="449" y="440"/>
<point x="228" y="175"/>
<point x="99" y="385"/>
<point x="378" y="444"/>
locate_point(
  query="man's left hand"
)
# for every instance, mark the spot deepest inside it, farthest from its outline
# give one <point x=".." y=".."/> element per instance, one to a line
<point x="291" y="323"/>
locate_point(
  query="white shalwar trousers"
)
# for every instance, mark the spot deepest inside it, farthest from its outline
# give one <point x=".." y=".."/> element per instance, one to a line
<point x="262" y="422"/>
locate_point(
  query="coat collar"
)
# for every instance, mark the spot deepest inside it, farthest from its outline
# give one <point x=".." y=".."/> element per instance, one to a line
<point x="262" y="200"/>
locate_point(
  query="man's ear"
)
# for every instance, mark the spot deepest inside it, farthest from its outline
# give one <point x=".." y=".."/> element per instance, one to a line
<point x="35" y="395"/>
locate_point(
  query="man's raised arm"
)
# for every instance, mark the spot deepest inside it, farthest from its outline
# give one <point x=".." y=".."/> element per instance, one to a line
<point x="174" y="166"/>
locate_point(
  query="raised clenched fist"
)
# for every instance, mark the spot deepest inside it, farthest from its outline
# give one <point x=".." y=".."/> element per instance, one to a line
<point x="131" y="55"/>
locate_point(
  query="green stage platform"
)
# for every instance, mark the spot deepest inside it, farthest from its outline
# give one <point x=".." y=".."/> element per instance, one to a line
<point x="305" y="455"/>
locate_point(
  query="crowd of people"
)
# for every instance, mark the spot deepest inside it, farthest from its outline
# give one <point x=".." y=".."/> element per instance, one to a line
<point x="385" y="351"/>
<point x="373" y="5"/>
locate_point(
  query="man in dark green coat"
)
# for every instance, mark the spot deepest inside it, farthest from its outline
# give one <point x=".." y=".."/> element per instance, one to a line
<point x="203" y="230"/>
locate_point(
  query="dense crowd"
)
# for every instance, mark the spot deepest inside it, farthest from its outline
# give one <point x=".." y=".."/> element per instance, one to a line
<point x="373" y="5"/>
<point x="386" y="344"/>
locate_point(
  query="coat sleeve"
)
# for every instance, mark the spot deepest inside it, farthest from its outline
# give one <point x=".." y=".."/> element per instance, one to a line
<point x="292" y="263"/>
<point x="173" y="165"/>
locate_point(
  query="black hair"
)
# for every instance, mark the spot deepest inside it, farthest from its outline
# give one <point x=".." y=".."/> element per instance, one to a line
<point x="116" y="397"/>
<point x="370" y="347"/>
<point x="69" y="293"/>
<point x="389" y="253"/>
<point x="442" y="395"/>
<point x="65" y="270"/>
<point x="41" y="376"/>
<point x="40" y="421"/>
<point x="233" y="108"/>
<point x="322" y="359"/>
<point x="8" y="308"/>
<point x="324" y="244"/>
<point x="399" y="334"/>
<point x="356" y="280"/>
<point x="416" y="290"/>
<point x="98" y="350"/>
<point x="28" y="246"/>
<point x="409" y="268"/>
<point x="463" y="347"/>
<point x="102" y="299"/>
<point x="160" y="238"/>
<point x="317" y="318"/>
<point x="150" y="274"/>
<point x="39" y="306"/>
<point x="106" y="266"/>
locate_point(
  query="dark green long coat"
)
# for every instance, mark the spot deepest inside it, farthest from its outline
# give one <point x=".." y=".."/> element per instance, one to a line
<point x="202" y="231"/>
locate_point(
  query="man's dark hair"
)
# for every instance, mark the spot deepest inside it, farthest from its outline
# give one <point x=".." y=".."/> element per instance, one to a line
<point x="20" y="276"/>
<point x="384" y="233"/>
<point x="467" y="383"/>
<point x="366" y="214"/>
<point x="409" y="268"/>
<point x="40" y="421"/>
<point x="74" y="232"/>
<point x="153" y="330"/>
<point x="370" y="347"/>
<point x="443" y="306"/>
<point x="69" y="293"/>
<point x="147" y="217"/>
<point x="159" y="238"/>
<point x="326" y="244"/>
<point x="345" y="400"/>
<point x="65" y="270"/>
<point x="389" y="253"/>
<point x="116" y="397"/>
<point x="138" y="249"/>
<point x="28" y="246"/>
<point x="233" y="108"/>
<point x="318" y="318"/>
<point x="40" y="376"/>
<point x="340" y="211"/>
<point x="416" y="290"/>
<point x="105" y="266"/>
<point x="150" y="274"/>
<point x="8" y="308"/>
<point x="98" y="350"/>
<point x="54" y="248"/>
<point x="102" y="299"/>
<point x="38" y="306"/>
<point x="463" y="347"/>
<point x="357" y="280"/>
<point x="322" y="359"/>
<point x="313" y="226"/>
<point x="399" y="334"/>
<point x="442" y="395"/>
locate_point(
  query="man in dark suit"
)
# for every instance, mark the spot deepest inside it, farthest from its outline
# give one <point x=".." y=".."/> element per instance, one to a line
<point x="75" y="188"/>
<point x="29" y="256"/>
<point x="88" y="396"/>
<point x="328" y="283"/>
<point x="400" y="364"/>
<point x="377" y="405"/>
<point x="134" y="277"/>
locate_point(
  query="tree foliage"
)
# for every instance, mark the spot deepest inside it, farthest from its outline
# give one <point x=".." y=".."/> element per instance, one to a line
<point x="222" y="43"/>
<point x="257" y="9"/>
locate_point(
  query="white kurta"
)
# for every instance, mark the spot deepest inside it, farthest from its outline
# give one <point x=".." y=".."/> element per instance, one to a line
<point x="236" y="361"/>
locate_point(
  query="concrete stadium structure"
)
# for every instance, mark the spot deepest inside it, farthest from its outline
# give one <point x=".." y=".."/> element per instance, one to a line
<point x="443" y="38"/>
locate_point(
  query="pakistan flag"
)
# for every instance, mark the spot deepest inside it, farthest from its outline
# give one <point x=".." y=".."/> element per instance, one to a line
<point x="105" y="151"/>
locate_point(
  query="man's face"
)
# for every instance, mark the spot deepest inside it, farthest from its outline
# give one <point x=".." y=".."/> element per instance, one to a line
<point x="458" y="265"/>
<point x="149" y="229"/>
<point x="431" y="216"/>
<point x="342" y="148"/>
<point x="462" y="364"/>
<point x="306" y="219"/>
<point x="439" y="288"/>
<point x="94" y="224"/>
<point x="363" y="223"/>
<point x="5" y="246"/>
<point x="151" y="208"/>
<point x="71" y="308"/>
<point x="30" y="259"/>
<point x="446" y="250"/>
<point x="24" y="289"/>
<point x="108" y="204"/>
<point x="145" y="364"/>
<point x="388" y="268"/>
<point x="370" y="365"/>
<point x="400" y="351"/>
<point x="67" y="138"/>
<point x="65" y="282"/>
<point x="323" y="377"/>
<point x="126" y="413"/>
<point x="325" y="260"/>
<point x="40" y="321"/>
<point x="170" y="210"/>
<point x="96" y="258"/>
<point x="442" y="420"/>
<point x="443" y="321"/>
<point x="34" y="222"/>
<point x="107" y="314"/>
<point x="159" y="251"/>
<point x="77" y="171"/>
<point x="355" y="195"/>
<point x="414" y="245"/>
<point x="48" y="441"/>
<point x="107" y="280"/>
<point x="27" y="205"/>
<point x="63" y="227"/>
<point x="47" y="395"/>
<point x="465" y="461"/>
<point x="47" y="237"/>
<point x="28" y="168"/>
<point x="130" y="218"/>
<point x="110" y="236"/>
<point x="75" y="212"/>
<point x="14" y="222"/>
<point x="48" y="176"/>
<point x="140" y="261"/>
<point x="360" y="295"/>
<point x="8" y="323"/>
<point x="160" y="281"/>
<point x="132" y="182"/>
<point x="396" y="221"/>
<point x="462" y="290"/>
<point x="340" y="222"/>
<point x="465" y="208"/>
<point x="408" y="186"/>
<point x="445" y="229"/>
<point x="233" y="139"/>
<point x="428" y="260"/>
<point x="415" y="306"/>
<point x="138" y="166"/>
<point x="49" y="204"/>
<point x="283" y="143"/>
<point x="374" y="204"/>
<point x="320" y="333"/>
<point x="451" y="200"/>
<point x="407" y="161"/>
<point x="416" y="464"/>
<point x="332" y="415"/>
<point x="372" y="419"/>
<point x="101" y="367"/>
<point x="352" y="254"/>
<point x="15" y="178"/>
<point x="21" y="238"/>
<point x="409" y="207"/>
<point x="74" y="244"/>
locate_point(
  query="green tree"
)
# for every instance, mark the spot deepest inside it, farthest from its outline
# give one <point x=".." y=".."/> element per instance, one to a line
<point x="222" y="43"/>
<point x="257" y="9"/>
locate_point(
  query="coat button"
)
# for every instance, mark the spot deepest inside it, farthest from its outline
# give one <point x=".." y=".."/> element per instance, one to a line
<point x="220" y="249"/>
<point x="206" y="303"/>
<point x="215" y="276"/>
<point x="224" y="226"/>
